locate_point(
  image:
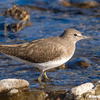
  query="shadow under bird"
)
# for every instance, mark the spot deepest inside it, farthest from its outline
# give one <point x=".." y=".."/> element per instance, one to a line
<point x="45" y="53"/>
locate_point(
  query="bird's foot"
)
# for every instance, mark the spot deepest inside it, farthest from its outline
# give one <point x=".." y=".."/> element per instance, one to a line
<point x="40" y="80"/>
<point x="45" y="76"/>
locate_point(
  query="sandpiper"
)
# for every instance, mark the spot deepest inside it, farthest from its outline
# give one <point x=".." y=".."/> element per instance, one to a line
<point x="45" y="53"/>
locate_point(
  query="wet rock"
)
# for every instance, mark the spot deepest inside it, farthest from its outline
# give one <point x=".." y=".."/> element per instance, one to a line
<point x="18" y="13"/>
<point x="85" y="3"/>
<point x="12" y="92"/>
<point x="9" y="85"/>
<point x="65" y="3"/>
<point x="58" y="95"/>
<point x="87" y="91"/>
<point x="26" y="95"/>
<point x="32" y="95"/>
<point x="62" y="66"/>
<point x="36" y="95"/>
<point x="83" y="62"/>
<point x="79" y="62"/>
<point x="13" y="26"/>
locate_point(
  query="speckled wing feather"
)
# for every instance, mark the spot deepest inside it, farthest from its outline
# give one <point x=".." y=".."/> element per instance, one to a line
<point x="37" y="51"/>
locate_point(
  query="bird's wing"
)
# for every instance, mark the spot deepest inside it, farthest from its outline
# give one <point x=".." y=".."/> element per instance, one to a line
<point x="41" y="52"/>
<point x="36" y="51"/>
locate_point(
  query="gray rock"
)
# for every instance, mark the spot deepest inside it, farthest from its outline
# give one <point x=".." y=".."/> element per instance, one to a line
<point x="8" y="84"/>
<point x="79" y="90"/>
<point x="93" y="93"/>
<point x="87" y="91"/>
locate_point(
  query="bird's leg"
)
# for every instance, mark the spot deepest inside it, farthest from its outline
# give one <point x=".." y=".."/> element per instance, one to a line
<point x="39" y="79"/>
<point x="45" y="75"/>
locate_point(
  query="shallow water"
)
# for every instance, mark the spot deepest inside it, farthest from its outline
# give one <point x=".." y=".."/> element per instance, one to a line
<point x="47" y="23"/>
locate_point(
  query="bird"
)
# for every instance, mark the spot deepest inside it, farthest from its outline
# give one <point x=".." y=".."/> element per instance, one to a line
<point x="45" y="53"/>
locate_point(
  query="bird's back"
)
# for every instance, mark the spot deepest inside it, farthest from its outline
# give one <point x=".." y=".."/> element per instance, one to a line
<point x="37" y="51"/>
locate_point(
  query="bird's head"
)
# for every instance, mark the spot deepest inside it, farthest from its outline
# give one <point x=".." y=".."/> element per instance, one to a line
<point x="73" y="35"/>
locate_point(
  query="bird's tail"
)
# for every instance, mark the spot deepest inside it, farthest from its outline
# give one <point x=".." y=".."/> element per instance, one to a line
<point x="7" y="49"/>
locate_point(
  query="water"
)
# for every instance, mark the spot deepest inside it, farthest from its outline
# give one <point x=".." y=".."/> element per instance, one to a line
<point x="47" y="23"/>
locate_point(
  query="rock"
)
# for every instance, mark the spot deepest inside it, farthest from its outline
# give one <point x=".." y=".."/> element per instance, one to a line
<point x="31" y="95"/>
<point x="39" y="95"/>
<point x="12" y="92"/>
<point x="56" y="95"/>
<point x="79" y="62"/>
<point x="18" y="13"/>
<point x="97" y="88"/>
<point x="93" y="93"/>
<point x="65" y="3"/>
<point x="8" y="84"/>
<point x="62" y="66"/>
<point x="79" y="90"/>
<point x="26" y="95"/>
<point x="83" y="62"/>
<point x="85" y="3"/>
<point x="87" y="91"/>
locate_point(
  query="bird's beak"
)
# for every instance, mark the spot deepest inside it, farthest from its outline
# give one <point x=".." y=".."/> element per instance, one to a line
<point x="87" y="37"/>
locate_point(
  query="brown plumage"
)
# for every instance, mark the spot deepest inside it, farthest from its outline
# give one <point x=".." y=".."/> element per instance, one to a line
<point x="38" y="51"/>
<point x="54" y="51"/>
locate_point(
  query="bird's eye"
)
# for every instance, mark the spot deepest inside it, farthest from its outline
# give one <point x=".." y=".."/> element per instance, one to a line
<point x="75" y="34"/>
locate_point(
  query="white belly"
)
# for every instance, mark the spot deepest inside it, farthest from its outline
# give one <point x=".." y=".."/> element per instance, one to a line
<point x="51" y="64"/>
<point x="42" y="66"/>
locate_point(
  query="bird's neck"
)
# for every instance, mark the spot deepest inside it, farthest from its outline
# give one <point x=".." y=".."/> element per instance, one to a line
<point x="69" y="44"/>
<point x="67" y="41"/>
